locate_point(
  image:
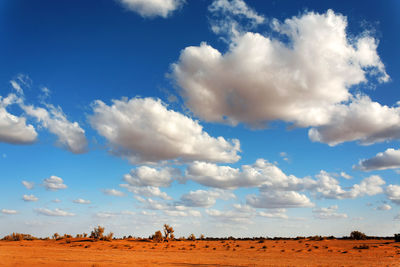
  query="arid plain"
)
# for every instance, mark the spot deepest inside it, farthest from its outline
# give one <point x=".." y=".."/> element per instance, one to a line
<point x="130" y="252"/>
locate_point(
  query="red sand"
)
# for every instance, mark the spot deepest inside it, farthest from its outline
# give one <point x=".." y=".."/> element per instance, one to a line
<point x="200" y="253"/>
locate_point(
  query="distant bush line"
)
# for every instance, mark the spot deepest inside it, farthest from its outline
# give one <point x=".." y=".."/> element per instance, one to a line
<point x="98" y="235"/>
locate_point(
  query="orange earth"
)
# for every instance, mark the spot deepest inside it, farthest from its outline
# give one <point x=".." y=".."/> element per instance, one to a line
<point x="77" y="252"/>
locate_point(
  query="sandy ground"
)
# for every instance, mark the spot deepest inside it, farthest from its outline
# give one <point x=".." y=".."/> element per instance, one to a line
<point x="200" y="253"/>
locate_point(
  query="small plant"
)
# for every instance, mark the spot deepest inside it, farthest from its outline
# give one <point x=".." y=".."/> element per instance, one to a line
<point x="168" y="232"/>
<point x="107" y="237"/>
<point x="191" y="237"/>
<point x="97" y="232"/>
<point x="56" y="236"/>
<point x="157" y="237"/>
<point x="356" y="235"/>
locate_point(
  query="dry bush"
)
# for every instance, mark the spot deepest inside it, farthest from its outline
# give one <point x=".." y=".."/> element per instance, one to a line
<point x="97" y="232"/>
<point x="157" y="237"/>
<point x="356" y="235"/>
<point x="18" y="237"/>
<point x="191" y="237"/>
<point x="107" y="237"/>
<point x="168" y="232"/>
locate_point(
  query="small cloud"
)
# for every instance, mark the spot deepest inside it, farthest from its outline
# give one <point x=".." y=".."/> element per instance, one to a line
<point x="9" y="212"/>
<point x="328" y="213"/>
<point x="30" y="198"/>
<point x="345" y="175"/>
<point x="113" y="192"/>
<point x="54" y="183"/>
<point x="390" y="159"/>
<point x="106" y="215"/>
<point x="28" y="185"/>
<point x="16" y="87"/>
<point x="384" y="207"/>
<point x="152" y="8"/>
<point x="56" y="200"/>
<point x="81" y="201"/>
<point x="56" y="212"/>
<point x="45" y="93"/>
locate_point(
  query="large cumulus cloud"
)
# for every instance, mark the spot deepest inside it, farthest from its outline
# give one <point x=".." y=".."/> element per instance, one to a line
<point x="145" y="130"/>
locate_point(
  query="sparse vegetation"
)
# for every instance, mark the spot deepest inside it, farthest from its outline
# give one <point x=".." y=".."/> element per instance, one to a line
<point x="356" y="235"/>
<point x="191" y="237"/>
<point x="157" y="237"/>
<point x="97" y="232"/>
<point x="168" y="232"/>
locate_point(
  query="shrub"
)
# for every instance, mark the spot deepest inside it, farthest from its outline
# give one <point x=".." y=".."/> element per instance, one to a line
<point x="191" y="237"/>
<point x="168" y="232"/>
<point x="97" y="232"/>
<point x="157" y="237"/>
<point x="396" y="237"/>
<point x="56" y="236"/>
<point x="356" y="235"/>
<point x="107" y="237"/>
<point x="18" y="237"/>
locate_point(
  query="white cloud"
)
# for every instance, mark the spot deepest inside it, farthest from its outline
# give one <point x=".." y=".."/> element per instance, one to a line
<point x="14" y="129"/>
<point x="152" y="8"/>
<point x="147" y="191"/>
<point x="328" y="213"/>
<point x="384" y="207"/>
<point x="274" y="213"/>
<point x="56" y="212"/>
<point x="144" y="130"/>
<point x="268" y="177"/>
<point x="56" y="200"/>
<point x="106" y="215"/>
<point x="147" y="176"/>
<point x="306" y="82"/>
<point x="393" y="193"/>
<point x="329" y="187"/>
<point x="232" y="17"/>
<point x="345" y="175"/>
<point x="54" y="183"/>
<point x="260" y="173"/>
<point x="180" y="213"/>
<point x="362" y="119"/>
<point x="70" y="135"/>
<point x="279" y="199"/>
<point x="9" y="212"/>
<point x="28" y="185"/>
<point x="81" y="201"/>
<point x="202" y="198"/>
<point x="239" y="214"/>
<point x="390" y="159"/>
<point x="113" y="192"/>
<point x="152" y="204"/>
<point x="30" y="198"/>
<point x="16" y="87"/>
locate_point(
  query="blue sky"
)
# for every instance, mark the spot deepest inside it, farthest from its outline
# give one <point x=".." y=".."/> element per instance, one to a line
<point x="224" y="117"/>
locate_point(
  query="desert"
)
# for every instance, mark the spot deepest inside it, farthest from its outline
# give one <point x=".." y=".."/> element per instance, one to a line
<point x="129" y="251"/>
